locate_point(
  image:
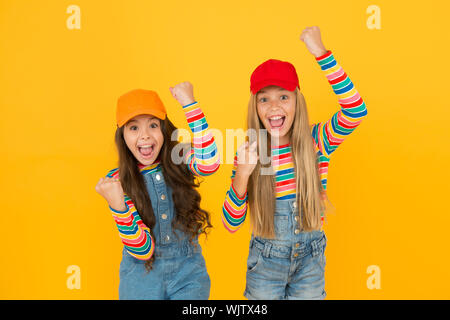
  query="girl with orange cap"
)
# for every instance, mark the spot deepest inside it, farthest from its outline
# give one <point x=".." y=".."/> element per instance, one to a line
<point x="153" y="198"/>
<point x="286" y="193"/>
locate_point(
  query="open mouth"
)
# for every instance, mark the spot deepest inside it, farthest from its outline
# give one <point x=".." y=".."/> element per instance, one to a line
<point x="276" y="122"/>
<point x="146" y="151"/>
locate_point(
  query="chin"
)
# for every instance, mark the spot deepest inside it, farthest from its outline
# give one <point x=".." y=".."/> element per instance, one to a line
<point x="147" y="162"/>
<point x="279" y="139"/>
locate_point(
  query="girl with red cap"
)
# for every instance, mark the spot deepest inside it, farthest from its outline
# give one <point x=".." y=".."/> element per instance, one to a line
<point x="153" y="198"/>
<point x="284" y="182"/>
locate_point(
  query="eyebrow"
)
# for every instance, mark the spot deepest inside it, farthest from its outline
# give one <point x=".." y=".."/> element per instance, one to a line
<point x="150" y="119"/>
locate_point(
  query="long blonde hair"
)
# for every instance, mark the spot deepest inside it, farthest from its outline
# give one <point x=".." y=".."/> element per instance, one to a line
<point x="261" y="188"/>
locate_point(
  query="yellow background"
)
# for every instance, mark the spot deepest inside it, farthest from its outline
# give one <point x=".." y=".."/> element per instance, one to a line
<point x="387" y="181"/>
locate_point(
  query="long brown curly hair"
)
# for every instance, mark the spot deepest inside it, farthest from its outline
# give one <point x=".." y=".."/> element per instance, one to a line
<point x="189" y="217"/>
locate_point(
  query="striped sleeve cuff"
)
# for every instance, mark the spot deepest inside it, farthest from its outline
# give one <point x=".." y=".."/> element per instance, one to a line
<point x="120" y="212"/>
<point x="326" y="60"/>
<point x="238" y="200"/>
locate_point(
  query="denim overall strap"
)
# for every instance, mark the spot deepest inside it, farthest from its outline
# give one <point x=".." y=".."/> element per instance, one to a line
<point x="169" y="241"/>
<point x="286" y="219"/>
<point x="162" y="206"/>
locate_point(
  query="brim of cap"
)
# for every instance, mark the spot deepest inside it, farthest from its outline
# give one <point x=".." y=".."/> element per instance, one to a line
<point x="273" y="82"/>
<point x="153" y="112"/>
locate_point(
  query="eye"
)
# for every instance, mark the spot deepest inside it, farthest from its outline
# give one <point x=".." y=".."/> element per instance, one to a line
<point x="133" y="128"/>
<point x="284" y="97"/>
<point x="154" y="125"/>
<point x="262" y="100"/>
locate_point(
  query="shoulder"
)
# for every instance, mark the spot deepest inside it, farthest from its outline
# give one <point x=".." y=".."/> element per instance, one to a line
<point x="114" y="173"/>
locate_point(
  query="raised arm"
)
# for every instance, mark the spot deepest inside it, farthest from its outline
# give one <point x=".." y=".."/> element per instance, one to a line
<point x="203" y="158"/>
<point x="135" y="235"/>
<point x="234" y="209"/>
<point x="330" y="134"/>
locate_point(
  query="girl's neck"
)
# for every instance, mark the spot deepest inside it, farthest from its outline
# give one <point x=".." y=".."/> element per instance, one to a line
<point x="282" y="142"/>
<point x="150" y="166"/>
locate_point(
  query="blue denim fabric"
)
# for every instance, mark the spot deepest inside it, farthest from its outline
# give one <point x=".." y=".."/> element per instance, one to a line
<point x="179" y="270"/>
<point x="292" y="265"/>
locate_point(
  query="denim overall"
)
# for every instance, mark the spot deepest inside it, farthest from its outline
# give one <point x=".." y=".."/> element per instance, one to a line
<point x="292" y="265"/>
<point x="179" y="270"/>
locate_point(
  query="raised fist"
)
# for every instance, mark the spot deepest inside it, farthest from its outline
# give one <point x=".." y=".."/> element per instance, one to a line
<point x="313" y="41"/>
<point x="183" y="93"/>
<point x="111" y="189"/>
<point x="247" y="158"/>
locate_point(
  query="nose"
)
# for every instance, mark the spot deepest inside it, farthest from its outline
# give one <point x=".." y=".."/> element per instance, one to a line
<point x="274" y="104"/>
<point x="145" y="134"/>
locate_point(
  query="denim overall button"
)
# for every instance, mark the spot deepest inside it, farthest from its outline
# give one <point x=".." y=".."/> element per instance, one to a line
<point x="297" y="231"/>
<point x="163" y="197"/>
<point x="296" y="218"/>
<point x="167" y="238"/>
<point x="297" y="245"/>
<point x="158" y="177"/>
<point x="295" y="255"/>
<point x="295" y="204"/>
<point x="164" y="216"/>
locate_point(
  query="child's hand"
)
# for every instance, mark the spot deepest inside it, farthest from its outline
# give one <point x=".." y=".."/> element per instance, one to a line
<point x="247" y="158"/>
<point x="111" y="189"/>
<point x="183" y="92"/>
<point x="311" y="37"/>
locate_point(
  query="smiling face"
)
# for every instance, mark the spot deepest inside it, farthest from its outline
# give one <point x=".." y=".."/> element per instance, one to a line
<point x="276" y="110"/>
<point x="144" y="138"/>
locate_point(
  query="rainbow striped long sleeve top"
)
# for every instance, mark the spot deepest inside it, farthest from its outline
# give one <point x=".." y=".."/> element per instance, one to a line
<point x="327" y="137"/>
<point x="202" y="160"/>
